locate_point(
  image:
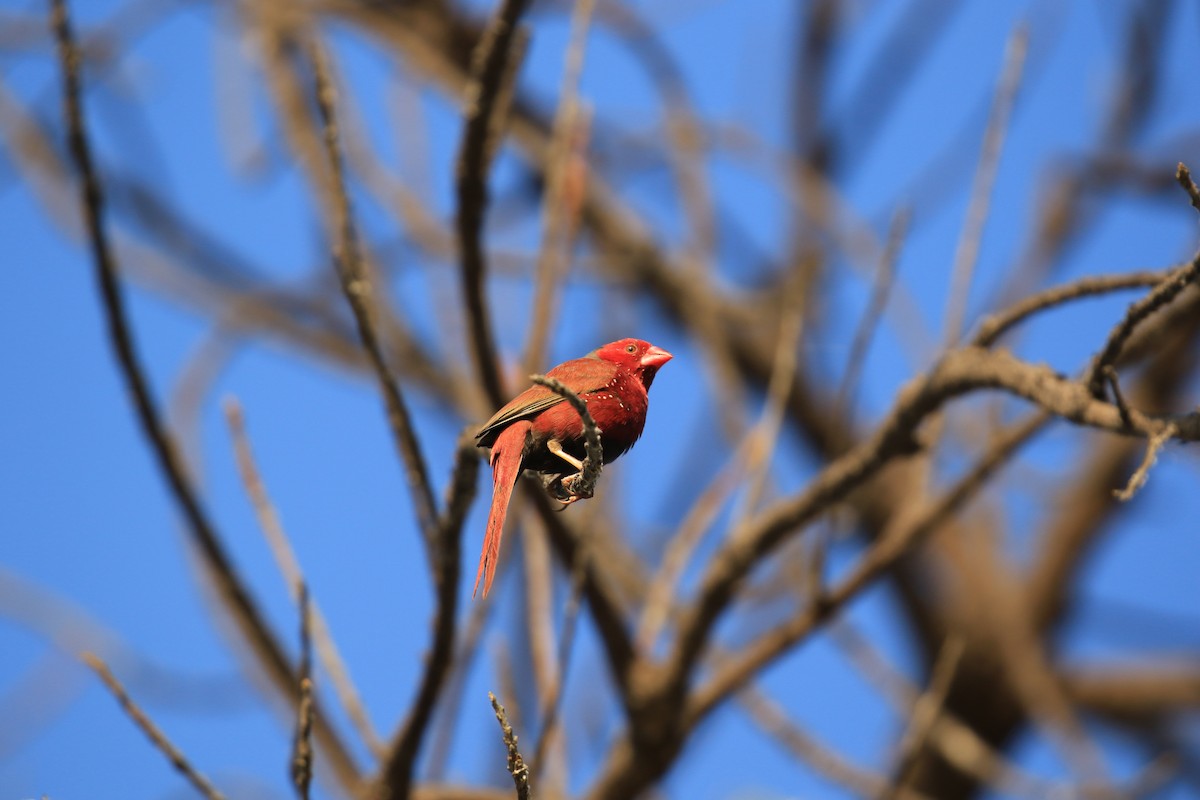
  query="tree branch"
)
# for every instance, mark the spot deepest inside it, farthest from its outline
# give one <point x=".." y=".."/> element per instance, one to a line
<point x="491" y="62"/>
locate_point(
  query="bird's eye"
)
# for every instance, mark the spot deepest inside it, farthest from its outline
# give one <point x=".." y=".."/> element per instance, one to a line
<point x="629" y="348"/>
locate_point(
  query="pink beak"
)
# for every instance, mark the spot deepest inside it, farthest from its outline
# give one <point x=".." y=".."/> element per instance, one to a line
<point x="655" y="357"/>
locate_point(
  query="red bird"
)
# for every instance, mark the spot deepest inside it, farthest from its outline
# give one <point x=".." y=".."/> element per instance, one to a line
<point x="538" y="430"/>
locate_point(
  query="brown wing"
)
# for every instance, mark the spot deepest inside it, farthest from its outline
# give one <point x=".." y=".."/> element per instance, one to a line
<point x="581" y="374"/>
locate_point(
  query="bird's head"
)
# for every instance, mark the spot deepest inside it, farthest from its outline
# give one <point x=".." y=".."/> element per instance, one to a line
<point x="639" y="357"/>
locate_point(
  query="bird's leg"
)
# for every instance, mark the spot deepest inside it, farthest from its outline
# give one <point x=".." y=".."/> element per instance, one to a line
<point x="555" y="447"/>
<point x="564" y="487"/>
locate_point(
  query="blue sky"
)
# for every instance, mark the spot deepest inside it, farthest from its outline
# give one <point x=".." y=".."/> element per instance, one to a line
<point x="86" y="518"/>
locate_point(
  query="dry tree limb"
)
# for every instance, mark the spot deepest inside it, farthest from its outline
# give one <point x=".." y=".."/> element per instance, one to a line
<point x="765" y="435"/>
<point x="1158" y="297"/>
<point x="230" y="588"/>
<point x="515" y="763"/>
<point x="826" y="761"/>
<point x="1135" y="694"/>
<point x="925" y="714"/>
<point x="604" y="606"/>
<point x="660" y="592"/>
<point x="566" y="172"/>
<point x="1153" y="447"/>
<point x="302" y="752"/>
<point x="1114" y="383"/>
<point x="492" y="67"/>
<point x="882" y="555"/>
<point x="967" y="253"/>
<point x="466" y="649"/>
<point x="750" y="459"/>
<point x="566" y="645"/>
<point x="152" y="731"/>
<point x="442" y="534"/>
<point x="959" y="372"/>
<point x="289" y="565"/>
<point x="1184" y="176"/>
<point x="396" y="774"/>
<point x="961" y="745"/>
<point x="881" y="287"/>
<point x="996" y="325"/>
<point x="540" y="614"/>
<point x="356" y="286"/>
<point x="625" y="771"/>
<point x="1023" y="655"/>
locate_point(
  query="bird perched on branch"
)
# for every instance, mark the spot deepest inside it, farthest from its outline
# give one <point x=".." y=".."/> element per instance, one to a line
<point x="538" y="430"/>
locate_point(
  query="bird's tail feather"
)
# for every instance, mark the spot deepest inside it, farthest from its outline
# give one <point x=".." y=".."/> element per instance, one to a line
<point x="506" y="468"/>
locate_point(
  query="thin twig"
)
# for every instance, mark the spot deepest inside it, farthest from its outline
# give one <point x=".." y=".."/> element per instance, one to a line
<point x="656" y="607"/>
<point x="462" y="661"/>
<point x="891" y="545"/>
<point x="490" y="64"/>
<point x="397" y="773"/>
<point x="881" y="290"/>
<point x="959" y="372"/>
<point x="1138" y="479"/>
<point x="825" y="760"/>
<point x="289" y="565"/>
<point x="541" y="612"/>
<point x="1158" y="297"/>
<point x="967" y="254"/>
<point x="925" y="714"/>
<point x="566" y="645"/>
<point x="765" y="434"/>
<point x="515" y="764"/>
<point x="230" y="588"/>
<point x="1184" y="176"/>
<point x="1114" y="383"/>
<point x="956" y="741"/>
<point x="566" y="172"/>
<point x="302" y="752"/>
<point x="593" y="461"/>
<point x="152" y="731"/>
<point x="996" y="325"/>
<point x="356" y="286"/>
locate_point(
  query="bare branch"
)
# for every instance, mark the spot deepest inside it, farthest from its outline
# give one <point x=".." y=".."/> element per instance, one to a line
<point x="967" y="254"/>
<point x="959" y="372"/>
<point x="925" y="714"/>
<point x="880" y="292"/>
<point x="302" y="753"/>
<point x="996" y="325"/>
<point x="566" y="174"/>
<point x="1184" y="176"/>
<point x="397" y="773"/>
<point x="357" y="288"/>
<point x="1114" y="383"/>
<point x="152" y="731"/>
<point x="229" y="585"/>
<point x="516" y="764"/>
<point x="289" y="565"/>
<point x="566" y="644"/>
<point x="1138" y="312"/>
<point x="490" y="64"/>
<point x="1138" y="479"/>
<point x="890" y="547"/>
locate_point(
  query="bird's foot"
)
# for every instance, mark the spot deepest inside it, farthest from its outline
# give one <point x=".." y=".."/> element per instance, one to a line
<point x="573" y="484"/>
<point x="565" y="488"/>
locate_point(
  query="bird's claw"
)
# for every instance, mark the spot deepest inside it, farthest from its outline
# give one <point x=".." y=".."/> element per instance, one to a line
<point x="573" y="485"/>
<point x="565" y="488"/>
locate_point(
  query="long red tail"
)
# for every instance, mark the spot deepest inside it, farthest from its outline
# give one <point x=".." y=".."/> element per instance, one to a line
<point x="506" y="468"/>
